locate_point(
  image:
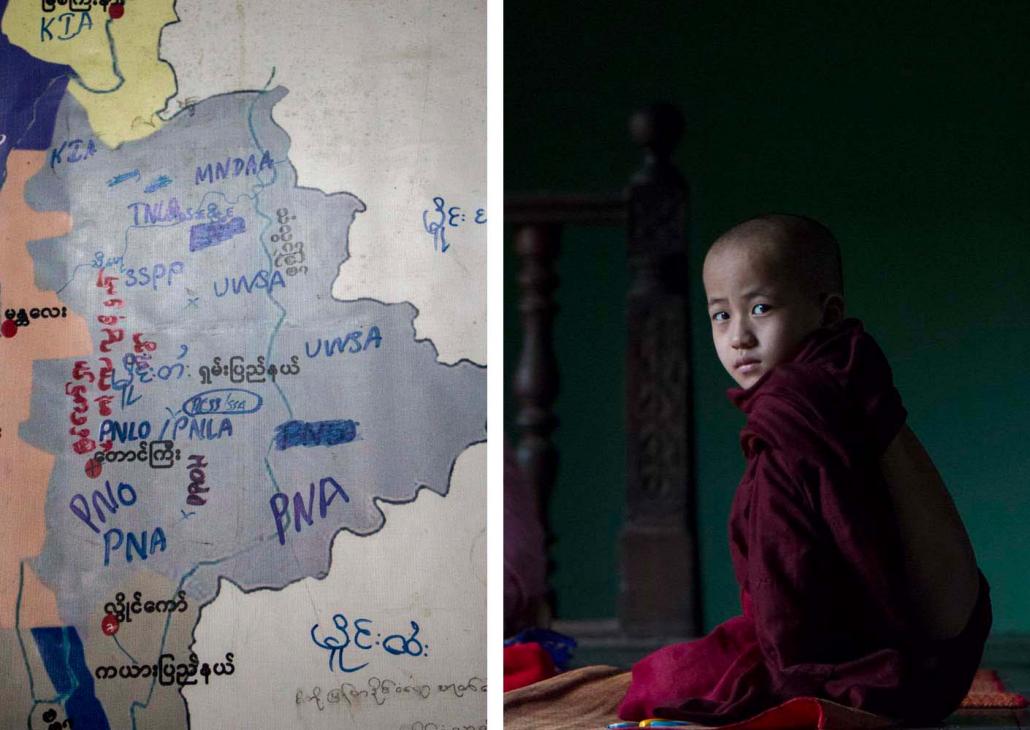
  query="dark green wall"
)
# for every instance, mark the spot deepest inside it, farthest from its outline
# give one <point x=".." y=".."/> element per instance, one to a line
<point x="905" y="129"/>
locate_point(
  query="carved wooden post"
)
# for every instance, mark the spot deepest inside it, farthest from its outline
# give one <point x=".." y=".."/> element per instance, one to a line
<point x="536" y="377"/>
<point x="659" y="593"/>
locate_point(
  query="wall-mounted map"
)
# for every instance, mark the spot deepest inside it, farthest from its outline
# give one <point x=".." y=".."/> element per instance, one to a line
<point x="242" y="337"/>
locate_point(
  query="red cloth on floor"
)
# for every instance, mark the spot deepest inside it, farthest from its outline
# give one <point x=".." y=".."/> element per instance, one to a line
<point x="988" y="692"/>
<point x="525" y="664"/>
<point x="808" y="713"/>
<point x="817" y="555"/>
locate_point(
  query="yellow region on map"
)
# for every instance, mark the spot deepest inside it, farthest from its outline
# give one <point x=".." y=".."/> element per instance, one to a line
<point x="70" y="38"/>
<point x="25" y="469"/>
<point x="120" y="80"/>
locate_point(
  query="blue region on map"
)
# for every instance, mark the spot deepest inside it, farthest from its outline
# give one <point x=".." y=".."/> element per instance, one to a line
<point x="30" y="92"/>
<point x="65" y="662"/>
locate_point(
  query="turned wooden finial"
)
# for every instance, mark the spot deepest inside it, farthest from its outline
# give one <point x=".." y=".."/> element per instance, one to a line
<point x="658" y="128"/>
<point x="658" y="541"/>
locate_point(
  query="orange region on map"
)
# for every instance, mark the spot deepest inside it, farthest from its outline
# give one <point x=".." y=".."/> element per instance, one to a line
<point x="25" y="469"/>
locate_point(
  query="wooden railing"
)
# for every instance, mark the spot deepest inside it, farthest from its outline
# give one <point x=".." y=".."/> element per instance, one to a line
<point x="659" y="592"/>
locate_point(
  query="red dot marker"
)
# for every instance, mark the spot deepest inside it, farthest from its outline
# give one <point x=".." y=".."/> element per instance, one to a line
<point x="116" y="10"/>
<point x="93" y="468"/>
<point x="9" y="328"/>
<point x="109" y="625"/>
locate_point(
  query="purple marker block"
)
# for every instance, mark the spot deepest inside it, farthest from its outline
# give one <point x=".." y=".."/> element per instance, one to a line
<point x="204" y="235"/>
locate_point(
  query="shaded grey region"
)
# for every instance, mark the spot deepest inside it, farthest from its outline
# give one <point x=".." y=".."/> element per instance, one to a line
<point x="415" y="415"/>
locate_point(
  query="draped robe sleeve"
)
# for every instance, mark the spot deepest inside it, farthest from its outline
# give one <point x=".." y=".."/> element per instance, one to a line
<point x="816" y="552"/>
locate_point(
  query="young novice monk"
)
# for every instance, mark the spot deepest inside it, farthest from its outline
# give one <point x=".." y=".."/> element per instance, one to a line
<point x="858" y="581"/>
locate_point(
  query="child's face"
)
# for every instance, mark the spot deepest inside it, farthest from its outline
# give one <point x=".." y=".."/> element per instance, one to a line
<point x="759" y="311"/>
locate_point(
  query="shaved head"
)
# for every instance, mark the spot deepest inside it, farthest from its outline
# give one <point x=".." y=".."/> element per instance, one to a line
<point x="798" y="247"/>
<point x="770" y="282"/>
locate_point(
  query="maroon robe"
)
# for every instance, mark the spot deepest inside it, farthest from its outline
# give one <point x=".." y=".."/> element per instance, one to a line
<point x="816" y="552"/>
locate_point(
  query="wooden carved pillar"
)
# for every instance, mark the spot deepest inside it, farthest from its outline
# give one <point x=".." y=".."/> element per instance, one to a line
<point x="659" y="593"/>
<point x="536" y="376"/>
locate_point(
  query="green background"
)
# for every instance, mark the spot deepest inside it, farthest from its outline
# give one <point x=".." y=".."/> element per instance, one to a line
<point x="903" y="128"/>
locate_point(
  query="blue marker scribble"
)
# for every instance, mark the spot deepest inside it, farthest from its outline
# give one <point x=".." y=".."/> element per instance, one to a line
<point x="119" y="179"/>
<point x="350" y="636"/>
<point x="318" y="433"/>
<point x="437" y="229"/>
<point x="161" y="182"/>
<point x="204" y="235"/>
<point x="453" y="216"/>
<point x="223" y="401"/>
<point x="334" y="647"/>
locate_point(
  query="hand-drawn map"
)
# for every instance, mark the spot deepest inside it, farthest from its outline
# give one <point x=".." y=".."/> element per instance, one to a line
<point x="242" y="339"/>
